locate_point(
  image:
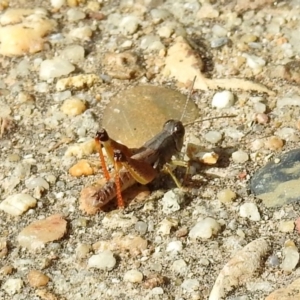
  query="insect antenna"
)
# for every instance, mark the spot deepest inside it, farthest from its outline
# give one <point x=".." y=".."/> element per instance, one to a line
<point x="188" y="99"/>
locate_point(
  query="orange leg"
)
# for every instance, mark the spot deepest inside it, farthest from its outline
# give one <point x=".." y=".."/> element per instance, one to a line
<point x="120" y="200"/>
<point x="103" y="164"/>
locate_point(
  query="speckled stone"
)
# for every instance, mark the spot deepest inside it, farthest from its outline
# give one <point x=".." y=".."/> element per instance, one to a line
<point x="278" y="183"/>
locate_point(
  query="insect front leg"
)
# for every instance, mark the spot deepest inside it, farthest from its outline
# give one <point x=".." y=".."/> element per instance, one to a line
<point x="102" y="139"/>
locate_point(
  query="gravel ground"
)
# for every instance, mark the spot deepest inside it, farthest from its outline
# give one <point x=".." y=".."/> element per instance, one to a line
<point x="169" y="245"/>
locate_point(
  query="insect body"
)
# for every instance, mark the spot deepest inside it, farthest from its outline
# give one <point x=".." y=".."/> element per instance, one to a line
<point x="134" y="165"/>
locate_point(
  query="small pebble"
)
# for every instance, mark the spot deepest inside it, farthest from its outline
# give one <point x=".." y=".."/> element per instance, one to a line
<point x="73" y="107"/>
<point x="166" y="225"/>
<point x="180" y="267"/>
<point x="129" y="25"/>
<point x="81" y="33"/>
<point x="17" y="204"/>
<point x="190" y="285"/>
<point x="171" y="201"/>
<point x="32" y="183"/>
<point x="273" y="261"/>
<point x="291" y="256"/>
<point x="103" y="261"/>
<point x="58" y="3"/>
<point x="151" y="43"/>
<point x="219" y="31"/>
<point x="159" y="14"/>
<point x="73" y="53"/>
<point x="240" y="156"/>
<point x="274" y="143"/>
<point x="83" y="149"/>
<point x="6" y="270"/>
<point x="12" y="286"/>
<point x="226" y="196"/>
<point x="205" y="229"/>
<point x="262" y="118"/>
<point x="223" y="99"/>
<point x="56" y="67"/>
<point x="219" y="42"/>
<point x="254" y="62"/>
<point x="141" y="227"/>
<point x="157" y="291"/>
<point x="213" y="137"/>
<point x="286" y="226"/>
<point x="82" y="250"/>
<point x="250" y="211"/>
<point x="78" y="82"/>
<point x="37" y="278"/>
<point x="133" y="276"/>
<point x="174" y="246"/>
<point x="38" y="233"/>
<point x="74" y="15"/>
<point x="259" y="107"/>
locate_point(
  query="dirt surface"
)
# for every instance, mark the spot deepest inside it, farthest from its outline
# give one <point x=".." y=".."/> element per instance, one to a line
<point x="37" y="137"/>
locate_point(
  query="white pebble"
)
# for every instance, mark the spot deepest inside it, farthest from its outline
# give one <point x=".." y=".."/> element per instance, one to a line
<point x="32" y="183"/>
<point x="151" y="43"/>
<point x="190" y="285"/>
<point x="12" y="286"/>
<point x="73" y="53"/>
<point x="82" y="33"/>
<point x="174" y="246"/>
<point x="157" y="291"/>
<point x="259" y="107"/>
<point x="213" y="137"/>
<point x="129" y="25"/>
<point x="58" y="3"/>
<point x="133" y="276"/>
<point x="104" y="261"/>
<point x="159" y="14"/>
<point x="219" y="31"/>
<point x="179" y="267"/>
<point x="240" y="156"/>
<point x="223" y="99"/>
<point x="205" y="229"/>
<point x="165" y="31"/>
<point x="291" y="257"/>
<point x="171" y="201"/>
<point x="56" y="67"/>
<point x="17" y="204"/>
<point x="75" y="14"/>
<point x="250" y="211"/>
<point x="166" y="225"/>
<point x="254" y="62"/>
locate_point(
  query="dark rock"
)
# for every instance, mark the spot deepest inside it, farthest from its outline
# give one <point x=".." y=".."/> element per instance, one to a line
<point x="277" y="184"/>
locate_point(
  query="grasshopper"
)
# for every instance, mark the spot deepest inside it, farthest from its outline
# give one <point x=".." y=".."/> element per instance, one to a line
<point x="134" y="165"/>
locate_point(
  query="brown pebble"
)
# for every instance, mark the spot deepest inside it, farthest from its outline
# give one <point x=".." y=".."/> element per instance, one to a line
<point x="46" y="295"/>
<point x="38" y="233"/>
<point x="37" y="278"/>
<point x="73" y="107"/>
<point x="81" y="168"/>
<point x="181" y="232"/>
<point x="6" y="270"/>
<point x="262" y="118"/>
<point x="274" y="143"/>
